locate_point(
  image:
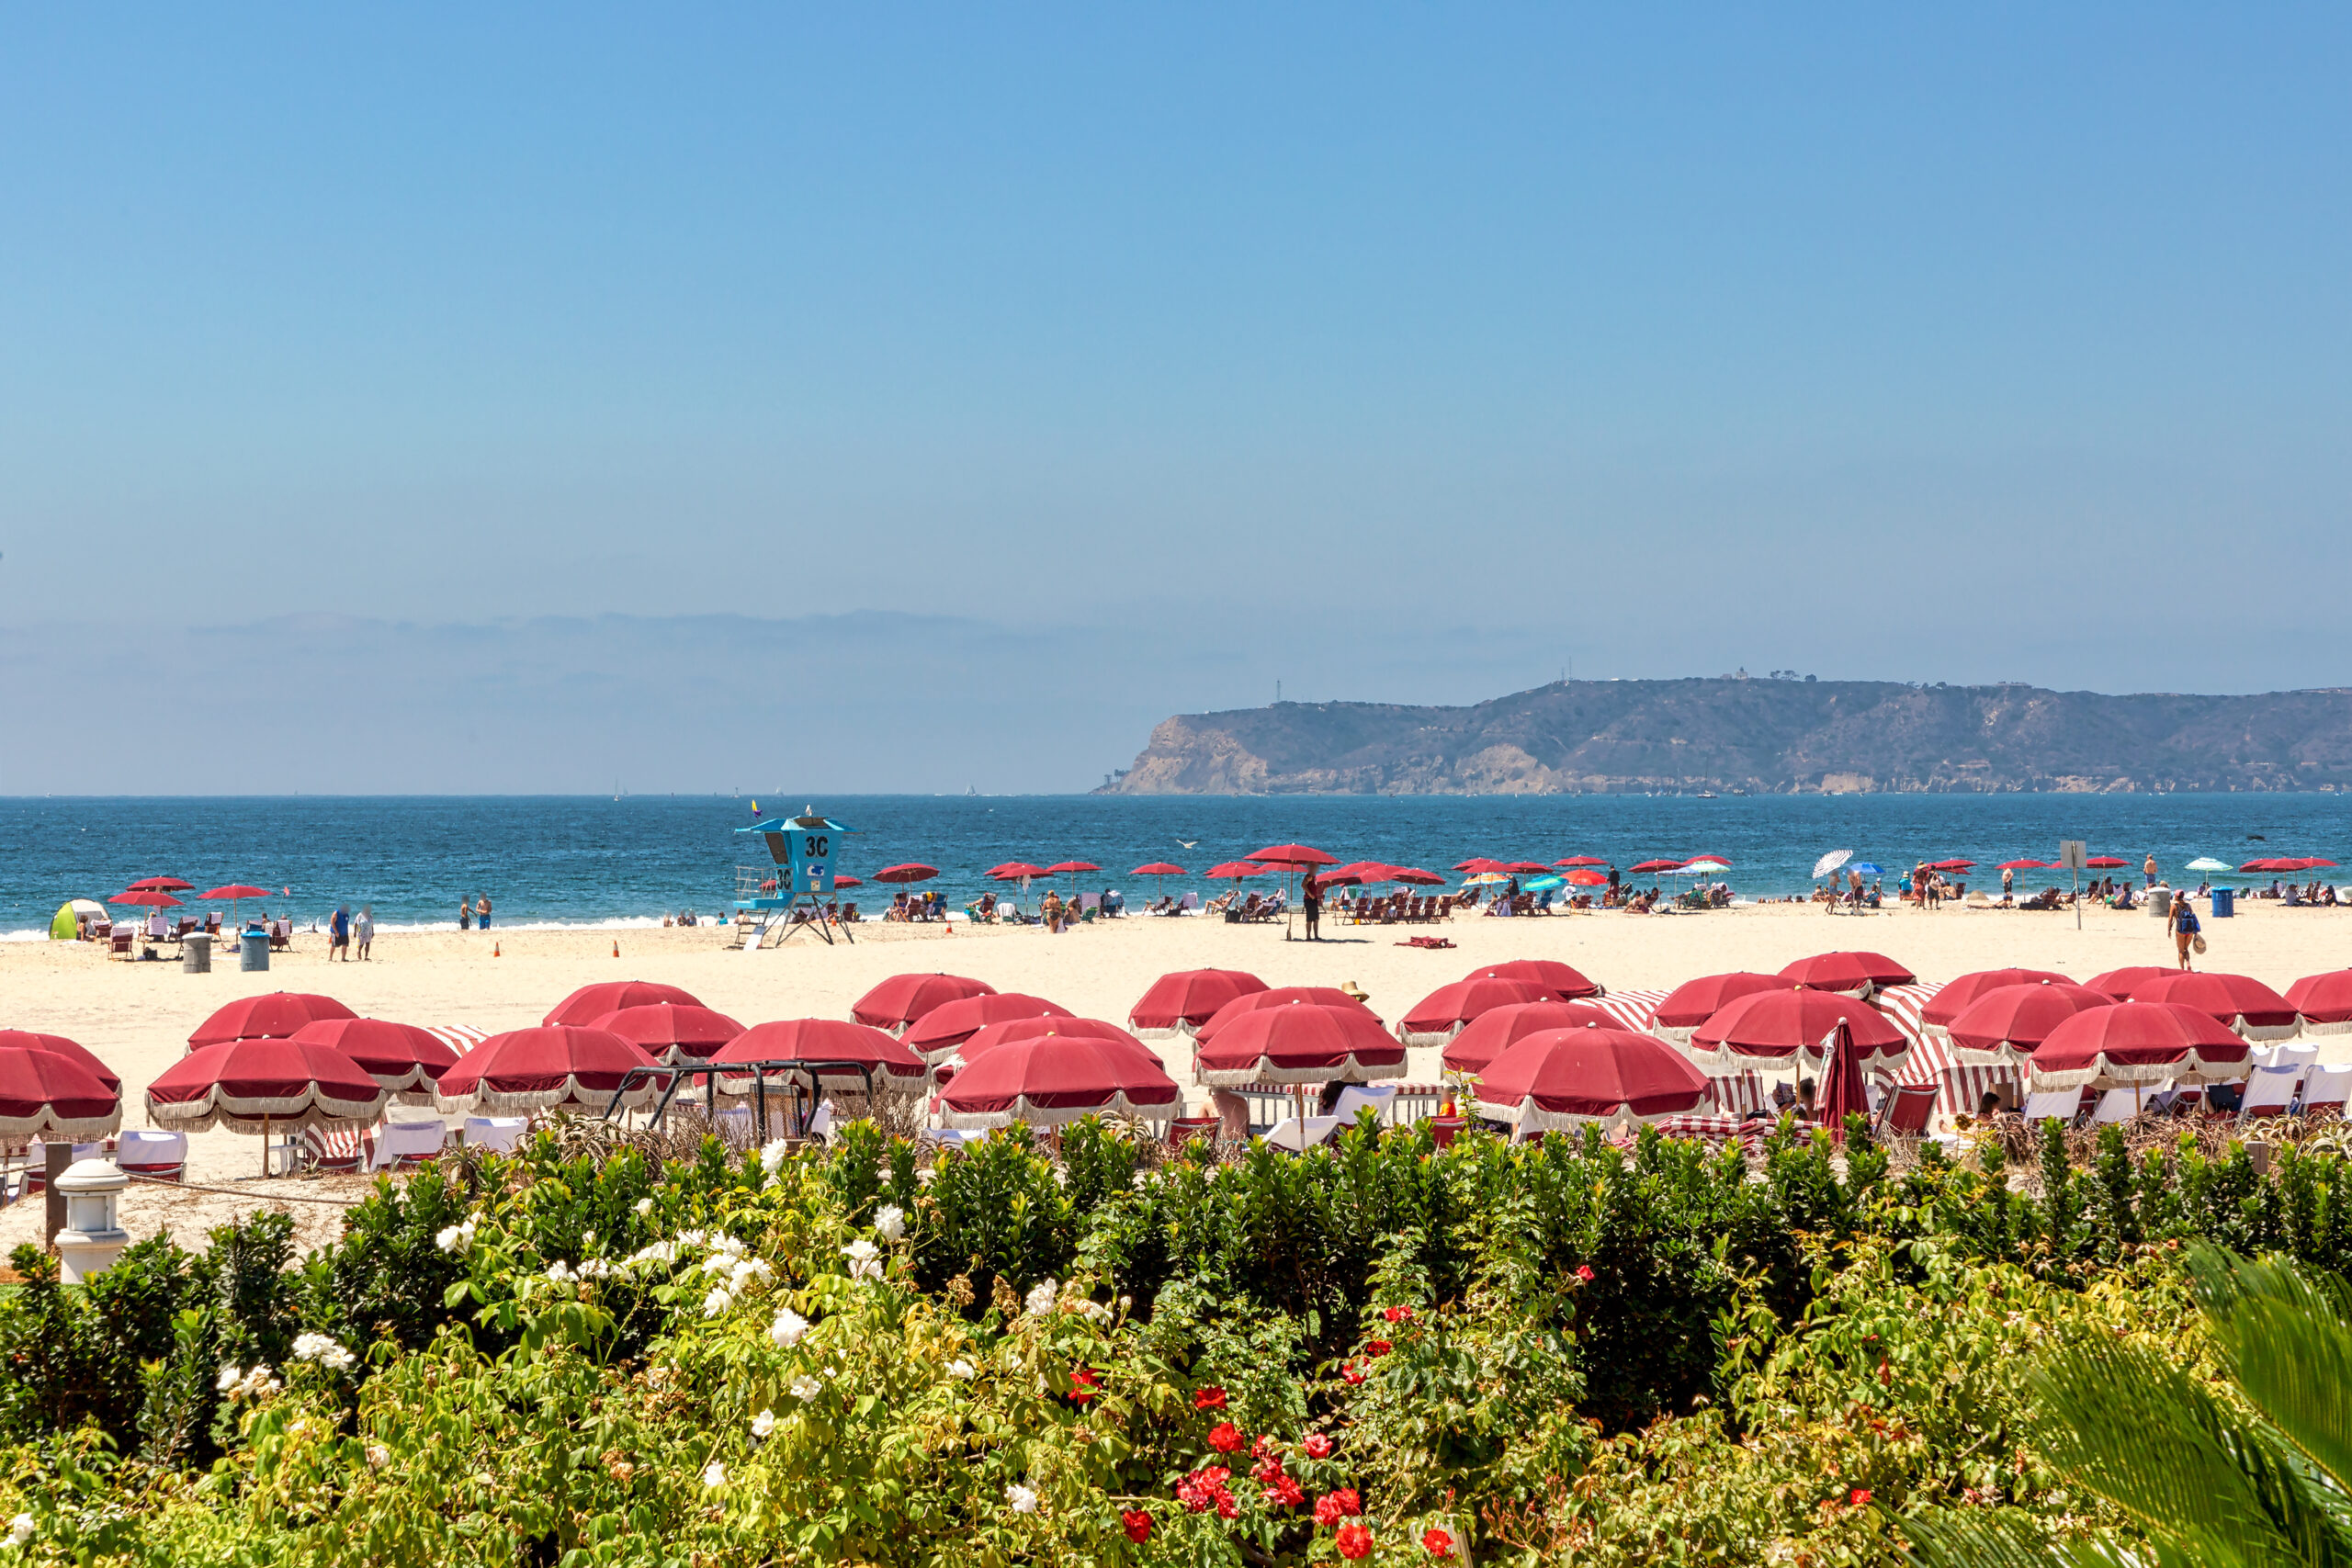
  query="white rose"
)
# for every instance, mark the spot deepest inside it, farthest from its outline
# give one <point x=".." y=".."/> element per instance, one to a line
<point x="717" y="1301"/>
<point x="764" y="1423"/>
<point x="644" y="1207"/>
<point x="788" y="1328"/>
<point x="714" y="1475"/>
<point x="772" y="1154"/>
<point x="379" y="1456"/>
<point x="890" y="1222"/>
<point x="960" y="1368"/>
<point x="1024" y="1501"/>
<point x="1041" y="1297"/>
<point x="20" y="1529"/>
<point x="804" y="1388"/>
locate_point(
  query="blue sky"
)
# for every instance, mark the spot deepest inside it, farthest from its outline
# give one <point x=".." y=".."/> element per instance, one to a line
<point x="1657" y="340"/>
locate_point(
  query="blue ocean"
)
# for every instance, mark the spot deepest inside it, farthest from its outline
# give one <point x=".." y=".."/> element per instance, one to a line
<point x="598" y="861"/>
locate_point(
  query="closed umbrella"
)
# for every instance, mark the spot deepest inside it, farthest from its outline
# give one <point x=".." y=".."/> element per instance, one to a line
<point x="1849" y="973"/>
<point x="45" y="1095"/>
<point x="1693" y="1002"/>
<point x="544" y="1068"/>
<point x="610" y="996"/>
<point x="1051" y="1078"/>
<point x="672" y="1032"/>
<point x="1281" y="996"/>
<point x="1843" y="1095"/>
<point x="1438" y="1017"/>
<point x="1563" y="981"/>
<point x="1776" y="1030"/>
<point x="895" y="1068"/>
<point x="27" y="1040"/>
<point x="1300" y="1042"/>
<point x="2004" y="1028"/>
<point x="936" y="1037"/>
<point x="1562" y="1078"/>
<point x="1181" y="1002"/>
<point x="404" y="1059"/>
<point x="1493" y="1032"/>
<point x="280" y="1015"/>
<point x="903" y="999"/>
<point x="2138" y="1043"/>
<point x="2238" y="1002"/>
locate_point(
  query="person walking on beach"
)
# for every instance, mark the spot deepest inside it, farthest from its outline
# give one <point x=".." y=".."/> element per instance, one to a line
<point x="364" y="930"/>
<point x="481" y="911"/>
<point x="2184" y="930"/>
<point x="1052" y="909"/>
<point x="2148" y="872"/>
<point x="465" y="913"/>
<point x="1310" y="897"/>
<point x="339" y="933"/>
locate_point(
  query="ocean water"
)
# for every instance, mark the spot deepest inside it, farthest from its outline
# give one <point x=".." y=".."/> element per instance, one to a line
<point x="601" y="862"/>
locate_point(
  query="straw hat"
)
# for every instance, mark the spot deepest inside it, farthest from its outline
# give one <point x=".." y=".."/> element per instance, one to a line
<point x="1350" y="989"/>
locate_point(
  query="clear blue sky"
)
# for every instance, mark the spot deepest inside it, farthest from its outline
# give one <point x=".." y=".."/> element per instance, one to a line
<point x="1291" y="326"/>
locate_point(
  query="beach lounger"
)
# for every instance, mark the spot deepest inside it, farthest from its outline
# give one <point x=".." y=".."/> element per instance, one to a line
<point x="2058" y="1104"/>
<point x="1298" y="1133"/>
<point x="1189" y="905"/>
<point x="1906" y="1112"/>
<point x="2121" y="1105"/>
<point x="157" y="1157"/>
<point x="1379" y="1099"/>
<point x="403" y="1145"/>
<point x="2325" y="1088"/>
<point x="281" y="936"/>
<point x="1184" y="1129"/>
<point x="121" y="943"/>
<point x="333" y="1149"/>
<point x="499" y="1132"/>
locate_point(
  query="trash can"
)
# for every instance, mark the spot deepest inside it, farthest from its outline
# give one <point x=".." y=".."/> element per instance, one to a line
<point x="2225" y="903"/>
<point x="196" y="954"/>
<point x="253" y="951"/>
<point x="2160" y="902"/>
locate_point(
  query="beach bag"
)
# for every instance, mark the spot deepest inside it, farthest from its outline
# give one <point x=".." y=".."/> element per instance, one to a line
<point x="2196" y="944"/>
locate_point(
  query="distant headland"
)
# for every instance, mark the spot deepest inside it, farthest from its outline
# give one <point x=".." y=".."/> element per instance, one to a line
<point x="1775" y="735"/>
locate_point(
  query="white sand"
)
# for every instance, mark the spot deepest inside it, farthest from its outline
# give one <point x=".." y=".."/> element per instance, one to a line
<point x="137" y="1017"/>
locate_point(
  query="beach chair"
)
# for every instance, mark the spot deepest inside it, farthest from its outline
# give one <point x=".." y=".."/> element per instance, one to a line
<point x="2057" y="1104"/>
<point x="404" y="1146"/>
<point x="121" y="943"/>
<point x="157" y="1157"/>
<point x="2325" y="1088"/>
<point x="1299" y="1133"/>
<point x="1380" y="1097"/>
<point x="333" y="1150"/>
<point x="1184" y="1129"/>
<point x="1445" y="909"/>
<point x="499" y="1132"/>
<point x="1189" y="905"/>
<point x="1906" y="1112"/>
<point x="281" y="936"/>
<point x="2121" y="1105"/>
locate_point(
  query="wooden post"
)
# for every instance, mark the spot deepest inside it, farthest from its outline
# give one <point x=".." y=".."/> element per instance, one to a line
<point x="56" y="1157"/>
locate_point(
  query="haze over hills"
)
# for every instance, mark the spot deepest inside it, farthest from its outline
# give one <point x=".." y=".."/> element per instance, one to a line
<point x="1759" y="736"/>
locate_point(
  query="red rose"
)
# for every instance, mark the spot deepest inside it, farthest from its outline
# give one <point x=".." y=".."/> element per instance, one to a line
<point x="1267" y="1469"/>
<point x="1399" y="1315"/>
<point x="1437" y="1542"/>
<point x="1318" y="1446"/>
<point x="1261" y="1447"/>
<point x="1333" y="1506"/>
<point x="1354" y="1541"/>
<point x="1283" y="1492"/>
<point x="1210" y="1398"/>
<point x="1225" y="1436"/>
<point x="1085" y="1383"/>
<point x="1584" y="1272"/>
<point x="1226" y="1509"/>
<point x="1136" y="1522"/>
<point x="1352" y="1372"/>
<point x="1378" y="1347"/>
<point x="1861" y="1496"/>
<point x="1205" y="1487"/>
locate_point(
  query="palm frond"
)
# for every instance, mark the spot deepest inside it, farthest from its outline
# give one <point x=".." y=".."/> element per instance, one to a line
<point x="2010" y="1538"/>
<point x="2288" y="1346"/>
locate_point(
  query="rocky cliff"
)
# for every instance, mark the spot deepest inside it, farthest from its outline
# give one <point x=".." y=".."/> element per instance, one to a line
<point x="1759" y="736"/>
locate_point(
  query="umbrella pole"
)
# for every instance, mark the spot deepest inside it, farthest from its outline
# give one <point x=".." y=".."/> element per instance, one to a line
<point x="265" y="1148"/>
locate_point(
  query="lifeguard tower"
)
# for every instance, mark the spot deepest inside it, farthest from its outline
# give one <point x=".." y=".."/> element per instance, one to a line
<point x="793" y="891"/>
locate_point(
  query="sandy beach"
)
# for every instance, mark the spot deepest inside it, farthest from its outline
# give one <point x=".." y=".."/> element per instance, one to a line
<point x="137" y="1017"/>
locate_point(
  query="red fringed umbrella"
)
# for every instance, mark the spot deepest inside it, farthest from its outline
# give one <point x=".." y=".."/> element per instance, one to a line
<point x="2138" y="1043"/>
<point x="1770" y="1030"/>
<point x="1048" y="1079"/>
<point x="1101" y="1030"/>
<point x="1655" y="865"/>
<point x="159" y="885"/>
<point x="2004" y="1027"/>
<point x="1693" y="1002"/>
<point x="1301" y="1043"/>
<point x="903" y="999"/>
<point x="1016" y="870"/>
<point x="2238" y="1003"/>
<point x="912" y="871"/>
<point x="1849" y="973"/>
<point x="1575" y="863"/>
<point x="896" y="1069"/>
<point x="404" y="1059"/>
<point x="945" y="1027"/>
<point x="1233" y="870"/>
<point x="1567" y="1078"/>
<point x="670" y="1032"/>
<point x="1281" y="996"/>
<point x="1560" y="979"/>
<point x="1438" y="1017"/>
<point x="280" y="1015"/>
<point x="26" y="1039"/>
<point x="45" y="1095"/>
<point x="1496" y="1029"/>
<point x="610" y="996"/>
<point x="1181" y="1002"/>
<point x="1843" y="1095"/>
<point x="264" y="1086"/>
<point x="1956" y="996"/>
<point x="2120" y="983"/>
<point x="2324" y="1001"/>
<point x="1292" y="855"/>
<point x="542" y="1068"/>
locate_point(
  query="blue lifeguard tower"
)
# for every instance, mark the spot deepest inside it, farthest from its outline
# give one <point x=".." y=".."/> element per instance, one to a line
<point x="794" y="890"/>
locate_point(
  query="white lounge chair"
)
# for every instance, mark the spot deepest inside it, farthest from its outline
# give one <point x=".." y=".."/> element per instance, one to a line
<point x="1301" y="1133"/>
<point x="2326" y="1085"/>
<point x="408" y="1141"/>
<point x="2278" y="1071"/>
<point x="2059" y="1103"/>
<point x="499" y="1132"/>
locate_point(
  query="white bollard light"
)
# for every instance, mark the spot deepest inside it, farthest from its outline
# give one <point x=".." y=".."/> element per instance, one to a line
<point x="91" y="1240"/>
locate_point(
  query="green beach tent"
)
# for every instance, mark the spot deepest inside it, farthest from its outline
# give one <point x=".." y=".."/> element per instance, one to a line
<point x="67" y="926"/>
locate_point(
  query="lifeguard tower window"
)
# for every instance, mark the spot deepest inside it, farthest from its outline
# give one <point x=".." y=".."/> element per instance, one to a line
<point x="779" y="847"/>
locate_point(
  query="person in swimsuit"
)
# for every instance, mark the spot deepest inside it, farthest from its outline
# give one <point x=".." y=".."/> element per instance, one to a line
<point x="481" y="911"/>
<point x="2184" y="929"/>
<point x="465" y="913"/>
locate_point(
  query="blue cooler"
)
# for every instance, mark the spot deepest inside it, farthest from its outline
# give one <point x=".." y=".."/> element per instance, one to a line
<point x="2225" y="900"/>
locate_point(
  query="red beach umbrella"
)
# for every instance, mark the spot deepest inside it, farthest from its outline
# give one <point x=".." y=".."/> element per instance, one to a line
<point x="1951" y="865"/>
<point x="1587" y="878"/>
<point x="264" y="1086"/>
<point x="146" y="899"/>
<point x="1280" y="996"/>
<point x="1561" y="980"/>
<point x="1955" y="998"/>
<point x="1293" y="855"/>
<point x="2004" y="1027"/>
<point x="671" y="1032"/>
<point x="233" y="892"/>
<point x="912" y="871"/>
<point x="1654" y="865"/>
<point x="610" y="996"/>
<point x="2138" y="1043"/>
<point x="903" y="999"/>
<point x="1017" y="870"/>
<point x="1566" y="1078"/>
<point x="280" y="1015"/>
<point x="1235" y="869"/>
<point x="1479" y="866"/>
<point x="2325" y="1001"/>
<point x="1438" y="1017"/>
<point x="1525" y="868"/>
<point x="2120" y="983"/>
<point x="1071" y="868"/>
<point x="896" y="1069"/>
<point x="1575" y="863"/>
<point x="1302" y="1042"/>
<point x="1050" y="1079"/>
<point x="944" y="1028"/>
<point x="1843" y="1095"/>
<point x="1849" y="973"/>
<point x="2241" y="1004"/>
<point x="404" y="1059"/>
<point x="161" y="885"/>
<point x="1772" y="1029"/>
<point x="2023" y="866"/>
<point x="1413" y="877"/>
<point x="542" y="1068"/>
<point x="2106" y="863"/>
<point x="26" y="1039"/>
<point x="1157" y="868"/>
<point x="45" y="1095"/>
<point x="1693" y="1002"/>
<point x="1181" y="1002"/>
<point x="840" y="881"/>
<point x="1491" y="1033"/>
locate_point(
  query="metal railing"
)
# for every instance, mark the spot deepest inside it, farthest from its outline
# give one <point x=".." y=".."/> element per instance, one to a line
<point x="789" y="1072"/>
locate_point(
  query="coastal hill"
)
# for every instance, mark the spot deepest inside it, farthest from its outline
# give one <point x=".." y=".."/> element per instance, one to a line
<point x="1760" y="735"/>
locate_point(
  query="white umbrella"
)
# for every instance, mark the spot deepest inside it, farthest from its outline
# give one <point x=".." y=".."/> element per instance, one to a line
<point x="1830" y="862"/>
<point x="2207" y="864"/>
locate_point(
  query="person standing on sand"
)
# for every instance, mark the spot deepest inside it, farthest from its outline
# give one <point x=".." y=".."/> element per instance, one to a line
<point x="465" y="913"/>
<point x="2148" y="872"/>
<point x="481" y="911"/>
<point x="364" y="930"/>
<point x="2184" y="929"/>
<point x="1310" y="897"/>
<point x="339" y="933"/>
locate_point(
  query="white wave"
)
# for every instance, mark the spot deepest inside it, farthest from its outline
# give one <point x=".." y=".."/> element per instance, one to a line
<point x="38" y="933"/>
<point x="621" y="923"/>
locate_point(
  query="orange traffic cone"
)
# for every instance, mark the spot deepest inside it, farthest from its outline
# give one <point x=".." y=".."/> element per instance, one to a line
<point x="617" y="947"/>
<point x="493" y="950"/>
